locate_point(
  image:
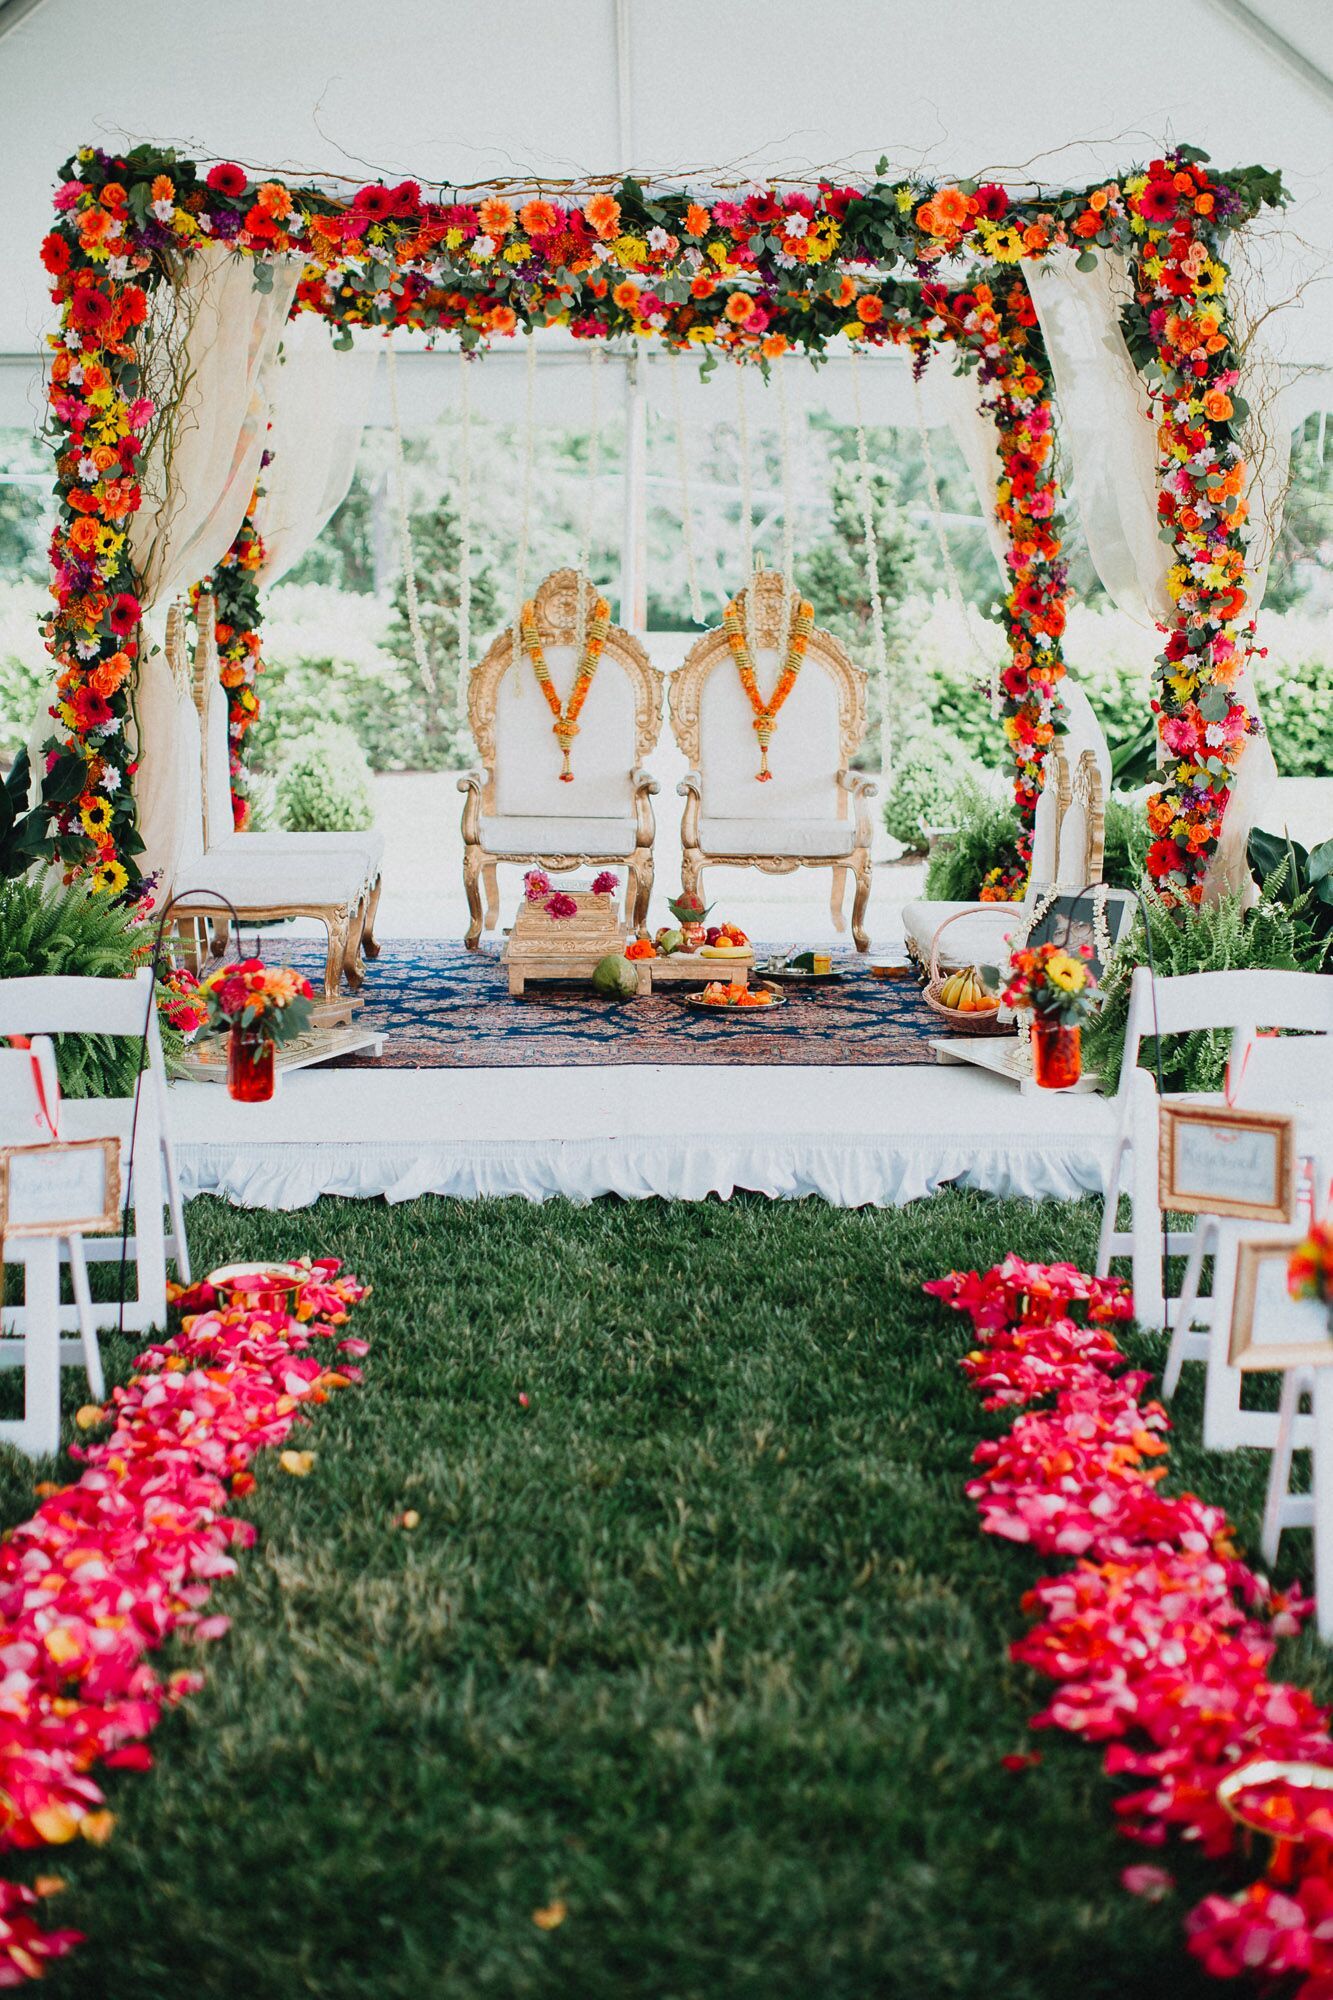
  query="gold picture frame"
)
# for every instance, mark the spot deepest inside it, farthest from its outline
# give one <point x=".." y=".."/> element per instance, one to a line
<point x="17" y="1167"/>
<point x="1196" y="1140"/>
<point x="1270" y="1329"/>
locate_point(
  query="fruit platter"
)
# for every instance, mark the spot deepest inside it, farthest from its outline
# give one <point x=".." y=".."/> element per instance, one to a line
<point x="733" y="997"/>
<point x="690" y="950"/>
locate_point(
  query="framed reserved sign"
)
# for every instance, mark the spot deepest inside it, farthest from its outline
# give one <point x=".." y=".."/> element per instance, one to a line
<point x="59" y="1190"/>
<point x="1215" y="1161"/>
<point x="1269" y="1328"/>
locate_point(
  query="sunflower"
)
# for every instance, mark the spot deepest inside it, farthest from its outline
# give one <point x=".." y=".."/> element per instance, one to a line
<point x="108" y="878"/>
<point x="96" y="817"/>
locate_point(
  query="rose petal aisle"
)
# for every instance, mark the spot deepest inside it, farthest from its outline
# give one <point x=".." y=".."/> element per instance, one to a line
<point x="1160" y="1640"/>
<point x="110" y="1567"/>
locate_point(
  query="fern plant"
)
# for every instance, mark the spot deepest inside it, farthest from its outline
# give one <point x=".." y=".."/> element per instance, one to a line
<point x="1215" y="937"/>
<point x="71" y="933"/>
<point x="984" y="839"/>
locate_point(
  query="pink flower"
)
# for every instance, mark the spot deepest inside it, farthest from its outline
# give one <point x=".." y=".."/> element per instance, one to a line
<point x="561" y="905"/>
<point x="1142" y="1879"/>
<point x="536" y="885"/>
<point x="605" y="884"/>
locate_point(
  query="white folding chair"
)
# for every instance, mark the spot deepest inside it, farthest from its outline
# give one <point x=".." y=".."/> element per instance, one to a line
<point x="1241" y="1002"/>
<point x="60" y="1006"/>
<point x="30" y="1116"/>
<point x="1284" y="1509"/>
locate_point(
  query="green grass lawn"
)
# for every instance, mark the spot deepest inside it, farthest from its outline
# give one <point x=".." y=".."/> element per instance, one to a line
<point x="703" y="1643"/>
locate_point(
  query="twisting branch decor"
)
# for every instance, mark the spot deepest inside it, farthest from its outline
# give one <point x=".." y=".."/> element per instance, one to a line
<point x="752" y="273"/>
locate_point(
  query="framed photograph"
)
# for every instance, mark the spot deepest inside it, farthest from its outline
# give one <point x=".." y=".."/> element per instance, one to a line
<point x="1212" y="1160"/>
<point x="60" y="1189"/>
<point x="1070" y="921"/>
<point x="1270" y="1329"/>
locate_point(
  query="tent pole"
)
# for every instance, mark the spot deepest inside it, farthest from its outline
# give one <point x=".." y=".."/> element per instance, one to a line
<point x="633" y="597"/>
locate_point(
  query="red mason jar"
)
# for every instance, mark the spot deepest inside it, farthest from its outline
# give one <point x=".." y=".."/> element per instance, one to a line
<point x="249" y="1066"/>
<point x="1057" y="1056"/>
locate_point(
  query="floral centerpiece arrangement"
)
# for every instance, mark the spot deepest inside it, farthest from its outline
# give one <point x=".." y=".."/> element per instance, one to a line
<point x="1058" y="988"/>
<point x="1310" y="1272"/>
<point x="255" y="1006"/>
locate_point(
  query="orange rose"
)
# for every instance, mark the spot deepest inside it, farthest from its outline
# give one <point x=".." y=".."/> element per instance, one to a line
<point x="1035" y="238"/>
<point x="1203" y="204"/>
<point x="697" y="220"/>
<point x="870" y="309"/>
<point x="1217" y="406"/>
<point x="1098" y="199"/>
<point x="496" y="216"/>
<point x="603" y="212"/>
<point x="1087" y="224"/>
<point x="927" y="219"/>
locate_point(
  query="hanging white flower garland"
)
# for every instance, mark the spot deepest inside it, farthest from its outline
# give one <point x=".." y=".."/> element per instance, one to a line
<point x="420" y="650"/>
<point x="525" y="524"/>
<point x="464" y="529"/>
<point x="683" y="481"/>
<point x="990" y="668"/>
<point x="878" y="649"/>
<point x="590" y="506"/>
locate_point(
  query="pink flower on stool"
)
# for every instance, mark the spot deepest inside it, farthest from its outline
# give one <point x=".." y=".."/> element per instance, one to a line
<point x="536" y="885"/>
<point x="605" y="884"/>
<point x="562" y="905"/>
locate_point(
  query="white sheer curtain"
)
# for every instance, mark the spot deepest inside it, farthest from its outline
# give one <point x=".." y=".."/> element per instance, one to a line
<point x="972" y="429"/>
<point x="320" y="401"/>
<point x="1107" y="423"/>
<point x="221" y="335"/>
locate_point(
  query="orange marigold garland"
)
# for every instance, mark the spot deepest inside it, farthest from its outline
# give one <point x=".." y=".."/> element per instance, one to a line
<point x="766" y="712"/>
<point x="235" y="594"/>
<point x="566" y="725"/>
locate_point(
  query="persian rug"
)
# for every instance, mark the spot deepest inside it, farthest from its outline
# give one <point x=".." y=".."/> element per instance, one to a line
<point x="442" y="1007"/>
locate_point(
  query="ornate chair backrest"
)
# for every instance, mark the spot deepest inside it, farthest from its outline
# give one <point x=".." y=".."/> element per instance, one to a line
<point x="1083" y="827"/>
<point x="819" y="726"/>
<point x="619" y="724"/>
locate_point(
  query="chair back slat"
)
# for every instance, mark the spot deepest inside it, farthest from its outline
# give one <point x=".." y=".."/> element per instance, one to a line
<point x="68" y="1006"/>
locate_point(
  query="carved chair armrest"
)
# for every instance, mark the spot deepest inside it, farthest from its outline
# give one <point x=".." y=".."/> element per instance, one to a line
<point x="691" y="782"/>
<point x="857" y="783"/>
<point x="471" y="783"/>
<point x="643" y="781"/>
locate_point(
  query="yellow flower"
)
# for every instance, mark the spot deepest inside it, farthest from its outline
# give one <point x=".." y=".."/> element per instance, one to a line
<point x="96" y="817"/>
<point x="1004" y="245"/>
<point x="631" y="251"/>
<point x="1067" y="973"/>
<point x="904" y="199"/>
<point x="514" y="253"/>
<point x="108" y="879"/>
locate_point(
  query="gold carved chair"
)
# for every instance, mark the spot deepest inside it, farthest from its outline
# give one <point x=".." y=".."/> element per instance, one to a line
<point x="518" y="807"/>
<point x="814" y="811"/>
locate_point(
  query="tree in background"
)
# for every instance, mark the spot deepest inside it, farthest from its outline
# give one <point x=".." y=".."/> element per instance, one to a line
<point x="436" y="724"/>
<point x="1301" y="572"/>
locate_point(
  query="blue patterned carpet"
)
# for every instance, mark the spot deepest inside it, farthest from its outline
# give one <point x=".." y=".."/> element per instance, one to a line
<point x="442" y="1007"/>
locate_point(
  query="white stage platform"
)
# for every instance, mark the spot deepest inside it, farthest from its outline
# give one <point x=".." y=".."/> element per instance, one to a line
<point x="854" y="1136"/>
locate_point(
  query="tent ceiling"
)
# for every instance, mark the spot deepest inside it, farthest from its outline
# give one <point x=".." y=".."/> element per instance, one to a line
<point x="444" y="88"/>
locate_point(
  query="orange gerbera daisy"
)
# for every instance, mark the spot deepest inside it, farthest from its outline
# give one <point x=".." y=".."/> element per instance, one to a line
<point x="702" y="287"/>
<point x="538" y="218"/>
<point x="603" y="212"/>
<point x="845" y="293"/>
<point x="502" y="319"/>
<point x="774" y="345"/>
<point x="870" y="309"/>
<point x="163" y="188"/>
<point x="951" y="205"/>
<point x="274" y="199"/>
<point x="697" y="220"/>
<point x="626" y="295"/>
<point x="739" y="307"/>
<point x="496" y="216"/>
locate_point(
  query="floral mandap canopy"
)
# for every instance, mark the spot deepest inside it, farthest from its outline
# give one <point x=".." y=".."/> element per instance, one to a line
<point x="146" y="249"/>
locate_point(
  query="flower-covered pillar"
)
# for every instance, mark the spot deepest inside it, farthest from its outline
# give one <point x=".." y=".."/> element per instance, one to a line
<point x="234" y="588"/>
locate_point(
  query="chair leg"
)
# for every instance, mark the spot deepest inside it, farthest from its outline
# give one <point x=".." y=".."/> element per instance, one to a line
<point x="92" y="1358"/>
<point x="354" y="970"/>
<point x="490" y="878"/>
<point x="369" y="942"/>
<point x="472" y="867"/>
<point x="640" y="886"/>
<point x="335" y="955"/>
<point x="1294" y="1382"/>
<point x="838" y="896"/>
<point x="1146" y="1231"/>
<point x="1110" y="1210"/>
<point x="1321" y="1483"/>
<point x="860" y="935"/>
<point x="1182" y="1315"/>
<point x="1222" y="1419"/>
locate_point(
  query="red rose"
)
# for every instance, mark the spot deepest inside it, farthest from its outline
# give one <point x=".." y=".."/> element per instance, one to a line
<point x="232" y="995"/>
<point x="228" y="179"/>
<point x="124" y="614"/>
<point x="55" y="254"/>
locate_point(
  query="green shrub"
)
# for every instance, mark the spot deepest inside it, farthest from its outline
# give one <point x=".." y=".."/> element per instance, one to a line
<point x="987" y="828"/>
<point x="1127" y="841"/>
<point x="71" y="933"/>
<point x="929" y="774"/>
<point x="324" y="784"/>
<point x="1215" y="937"/>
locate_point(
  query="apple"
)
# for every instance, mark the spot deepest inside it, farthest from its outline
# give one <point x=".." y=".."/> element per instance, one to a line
<point x="714" y="935"/>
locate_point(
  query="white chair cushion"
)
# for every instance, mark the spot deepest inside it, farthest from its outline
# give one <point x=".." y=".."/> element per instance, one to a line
<point x="527" y="757"/>
<point x="814" y="837"/>
<point x="367" y="848"/>
<point x="979" y="938"/>
<point x="804" y="757"/>
<point x="271" y="881"/>
<point x="532" y="834"/>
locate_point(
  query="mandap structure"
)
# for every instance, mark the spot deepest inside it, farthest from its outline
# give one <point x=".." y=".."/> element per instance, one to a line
<point x="174" y="281"/>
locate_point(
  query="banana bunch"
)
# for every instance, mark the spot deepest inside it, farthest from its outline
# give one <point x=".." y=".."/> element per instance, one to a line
<point x="966" y="992"/>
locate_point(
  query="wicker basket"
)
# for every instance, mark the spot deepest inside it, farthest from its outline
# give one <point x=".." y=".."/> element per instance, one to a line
<point x="985" y="1023"/>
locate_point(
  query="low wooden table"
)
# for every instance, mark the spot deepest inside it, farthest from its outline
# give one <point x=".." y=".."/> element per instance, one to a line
<point x="688" y="968"/>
